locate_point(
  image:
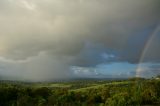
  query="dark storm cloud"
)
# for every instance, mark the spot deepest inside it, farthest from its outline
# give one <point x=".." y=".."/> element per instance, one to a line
<point x="62" y="28"/>
<point x="93" y="54"/>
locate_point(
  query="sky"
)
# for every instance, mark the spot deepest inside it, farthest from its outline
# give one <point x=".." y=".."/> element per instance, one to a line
<point x="43" y="40"/>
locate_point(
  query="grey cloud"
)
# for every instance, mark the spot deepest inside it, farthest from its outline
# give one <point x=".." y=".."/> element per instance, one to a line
<point x="38" y="68"/>
<point x="57" y="24"/>
<point x="61" y="29"/>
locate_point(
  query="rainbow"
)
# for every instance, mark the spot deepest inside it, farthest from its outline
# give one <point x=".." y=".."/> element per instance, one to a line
<point x="139" y="70"/>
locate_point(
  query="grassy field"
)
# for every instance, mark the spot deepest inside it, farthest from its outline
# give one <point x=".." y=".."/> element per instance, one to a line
<point x="52" y="85"/>
<point x="97" y="86"/>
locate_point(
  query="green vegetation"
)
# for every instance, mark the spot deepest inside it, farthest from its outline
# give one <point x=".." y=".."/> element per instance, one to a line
<point x="131" y="92"/>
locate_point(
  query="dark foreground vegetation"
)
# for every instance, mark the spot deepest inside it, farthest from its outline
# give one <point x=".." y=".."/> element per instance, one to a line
<point x="133" y="92"/>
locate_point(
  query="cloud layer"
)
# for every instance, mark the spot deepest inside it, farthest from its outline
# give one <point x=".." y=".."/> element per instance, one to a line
<point x="47" y="37"/>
